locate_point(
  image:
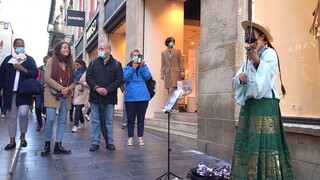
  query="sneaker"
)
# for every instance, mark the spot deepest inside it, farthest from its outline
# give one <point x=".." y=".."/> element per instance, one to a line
<point x="87" y="117"/>
<point x="82" y="126"/>
<point x="141" y="142"/>
<point x="111" y="147"/>
<point x="123" y="126"/>
<point x="3" y="116"/>
<point x="130" y="141"/>
<point x="74" y="129"/>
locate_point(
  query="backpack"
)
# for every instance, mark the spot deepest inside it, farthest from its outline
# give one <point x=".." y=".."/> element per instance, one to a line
<point x="151" y="85"/>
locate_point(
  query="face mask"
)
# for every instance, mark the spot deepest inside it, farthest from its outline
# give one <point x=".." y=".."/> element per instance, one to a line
<point x="135" y="58"/>
<point x="101" y="54"/>
<point x="171" y="44"/>
<point x="20" y="50"/>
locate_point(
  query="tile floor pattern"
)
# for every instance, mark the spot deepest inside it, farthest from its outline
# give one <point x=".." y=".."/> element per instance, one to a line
<point x="126" y="163"/>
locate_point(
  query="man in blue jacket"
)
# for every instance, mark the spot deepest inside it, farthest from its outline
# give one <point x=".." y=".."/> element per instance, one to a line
<point x="14" y="69"/>
<point x="104" y="76"/>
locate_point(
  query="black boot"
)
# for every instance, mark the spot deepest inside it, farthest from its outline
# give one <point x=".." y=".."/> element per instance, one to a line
<point x="46" y="149"/>
<point x="58" y="149"/>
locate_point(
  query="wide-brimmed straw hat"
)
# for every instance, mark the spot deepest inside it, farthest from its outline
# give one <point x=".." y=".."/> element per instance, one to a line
<point x="259" y="25"/>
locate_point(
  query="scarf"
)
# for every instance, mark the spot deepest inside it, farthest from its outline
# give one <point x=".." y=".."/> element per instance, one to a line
<point x="61" y="76"/>
<point x="78" y="73"/>
<point x="17" y="58"/>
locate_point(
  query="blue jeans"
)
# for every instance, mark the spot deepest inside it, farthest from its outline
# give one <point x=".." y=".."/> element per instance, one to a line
<point x="39" y="107"/>
<point x="96" y="124"/>
<point x="62" y="119"/>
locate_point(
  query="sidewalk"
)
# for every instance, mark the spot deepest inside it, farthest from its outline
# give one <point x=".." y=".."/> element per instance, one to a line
<point x="125" y="163"/>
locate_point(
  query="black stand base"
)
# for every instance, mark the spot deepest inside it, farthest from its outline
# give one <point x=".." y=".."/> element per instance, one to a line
<point x="168" y="173"/>
<point x="167" y="176"/>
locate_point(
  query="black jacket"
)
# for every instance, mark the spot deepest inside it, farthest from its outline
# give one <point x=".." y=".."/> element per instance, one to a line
<point x="108" y="75"/>
<point x="7" y="78"/>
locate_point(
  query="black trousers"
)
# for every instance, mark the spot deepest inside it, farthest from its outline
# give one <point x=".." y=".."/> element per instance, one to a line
<point x="136" y="110"/>
<point x="78" y="115"/>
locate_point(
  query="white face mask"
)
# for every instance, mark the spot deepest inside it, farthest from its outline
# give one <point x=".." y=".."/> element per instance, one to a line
<point x="171" y="44"/>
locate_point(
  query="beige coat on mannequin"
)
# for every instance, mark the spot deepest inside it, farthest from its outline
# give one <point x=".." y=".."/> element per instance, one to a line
<point x="172" y="66"/>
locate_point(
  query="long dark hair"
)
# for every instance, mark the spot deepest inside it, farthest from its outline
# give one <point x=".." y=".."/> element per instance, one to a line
<point x="283" y="89"/>
<point x="68" y="59"/>
<point x="57" y="72"/>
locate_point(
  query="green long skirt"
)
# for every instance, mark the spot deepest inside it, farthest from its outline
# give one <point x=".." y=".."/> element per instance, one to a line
<point x="261" y="150"/>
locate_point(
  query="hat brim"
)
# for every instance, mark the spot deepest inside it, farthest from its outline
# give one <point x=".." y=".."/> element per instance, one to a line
<point x="258" y="25"/>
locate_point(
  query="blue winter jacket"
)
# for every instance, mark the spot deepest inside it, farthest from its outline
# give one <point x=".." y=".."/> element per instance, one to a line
<point x="7" y="76"/>
<point x="135" y="86"/>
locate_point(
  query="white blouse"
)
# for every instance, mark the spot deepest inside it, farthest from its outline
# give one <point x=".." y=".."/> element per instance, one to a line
<point x="261" y="81"/>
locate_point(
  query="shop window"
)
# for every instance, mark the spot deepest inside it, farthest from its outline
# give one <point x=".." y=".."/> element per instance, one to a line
<point x="290" y="22"/>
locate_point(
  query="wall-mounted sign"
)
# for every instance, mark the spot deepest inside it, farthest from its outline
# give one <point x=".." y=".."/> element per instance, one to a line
<point x="75" y="18"/>
<point x="92" y="29"/>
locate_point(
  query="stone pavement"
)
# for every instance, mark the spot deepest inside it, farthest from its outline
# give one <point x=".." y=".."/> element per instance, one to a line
<point x="125" y="163"/>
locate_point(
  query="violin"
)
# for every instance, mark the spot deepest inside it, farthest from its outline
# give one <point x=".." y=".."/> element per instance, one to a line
<point x="252" y="46"/>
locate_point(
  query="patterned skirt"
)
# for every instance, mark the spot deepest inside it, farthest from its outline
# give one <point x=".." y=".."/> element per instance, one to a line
<point x="261" y="150"/>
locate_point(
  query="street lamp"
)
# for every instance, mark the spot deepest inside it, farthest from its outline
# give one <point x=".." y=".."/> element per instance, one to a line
<point x="56" y="36"/>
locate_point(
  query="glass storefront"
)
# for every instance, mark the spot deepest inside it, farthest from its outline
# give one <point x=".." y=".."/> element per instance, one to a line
<point x="290" y="22"/>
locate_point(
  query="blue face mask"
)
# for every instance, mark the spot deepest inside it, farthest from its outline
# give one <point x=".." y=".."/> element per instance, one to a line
<point x="171" y="44"/>
<point x="101" y="54"/>
<point x="135" y="58"/>
<point x="20" y="50"/>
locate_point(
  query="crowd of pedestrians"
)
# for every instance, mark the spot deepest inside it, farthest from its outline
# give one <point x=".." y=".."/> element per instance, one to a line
<point x="72" y="88"/>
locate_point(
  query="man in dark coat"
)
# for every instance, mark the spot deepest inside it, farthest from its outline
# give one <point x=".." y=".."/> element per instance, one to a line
<point x="14" y="69"/>
<point x="104" y="76"/>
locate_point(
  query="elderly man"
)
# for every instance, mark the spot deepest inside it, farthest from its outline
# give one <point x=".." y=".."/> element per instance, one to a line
<point x="104" y="76"/>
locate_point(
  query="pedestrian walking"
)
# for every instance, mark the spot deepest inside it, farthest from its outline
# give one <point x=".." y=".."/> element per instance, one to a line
<point x="104" y="76"/>
<point x="39" y="99"/>
<point x="81" y="95"/>
<point x="14" y="69"/>
<point x="60" y="82"/>
<point x="136" y="95"/>
<point x="260" y="150"/>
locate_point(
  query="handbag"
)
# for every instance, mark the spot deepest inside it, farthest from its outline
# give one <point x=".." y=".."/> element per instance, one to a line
<point x="151" y="85"/>
<point x="30" y="87"/>
<point x="56" y="93"/>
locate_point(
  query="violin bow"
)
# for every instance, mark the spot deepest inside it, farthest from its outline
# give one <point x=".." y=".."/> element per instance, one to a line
<point x="250" y="20"/>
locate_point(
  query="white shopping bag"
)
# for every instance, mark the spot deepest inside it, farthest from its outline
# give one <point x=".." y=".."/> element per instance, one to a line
<point x="185" y="86"/>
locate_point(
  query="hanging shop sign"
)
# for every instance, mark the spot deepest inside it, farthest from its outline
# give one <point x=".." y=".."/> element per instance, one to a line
<point x="75" y="18"/>
<point x="92" y="29"/>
